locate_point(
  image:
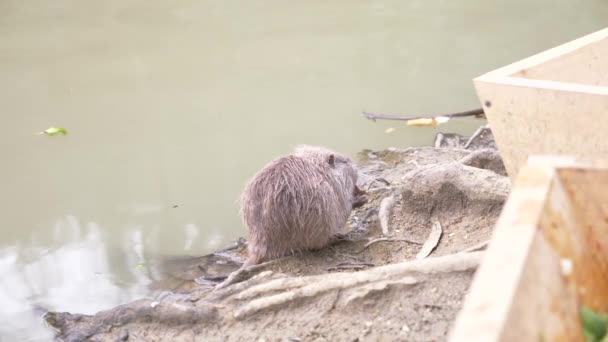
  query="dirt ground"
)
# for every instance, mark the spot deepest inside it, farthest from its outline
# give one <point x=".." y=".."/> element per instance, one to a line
<point x="354" y="290"/>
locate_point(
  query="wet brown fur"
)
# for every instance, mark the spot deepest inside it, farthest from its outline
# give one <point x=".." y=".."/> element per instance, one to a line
<point x="298" y="202"/>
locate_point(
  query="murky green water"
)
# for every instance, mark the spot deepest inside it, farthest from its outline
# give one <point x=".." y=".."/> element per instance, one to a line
<point x="171" y="106"/>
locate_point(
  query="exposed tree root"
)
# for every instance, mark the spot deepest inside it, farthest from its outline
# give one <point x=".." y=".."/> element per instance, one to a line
<point x="265" y="296"/>
<point x="244" y="273"/>
<point x="384" y="213"/>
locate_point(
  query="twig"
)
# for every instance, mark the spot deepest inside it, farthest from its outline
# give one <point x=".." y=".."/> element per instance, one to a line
<point x="477" y="247"/>
<point x="350" y="263"/>
<point x="475" y="135"/>
<point x="350" y="266"/>
<point x="372" y="116"/>
<point x="379" y="179"/>
<point x="387" y="239"/>
<point x="349" y="256"/>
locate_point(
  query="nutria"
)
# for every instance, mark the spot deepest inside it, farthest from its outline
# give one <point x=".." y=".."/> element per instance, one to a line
<point x="299" y="202"/>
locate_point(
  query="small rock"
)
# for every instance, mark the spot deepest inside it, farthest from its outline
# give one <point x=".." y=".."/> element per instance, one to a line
<point x="405" y="328"/>
<point x="368" y="324"/>
<point x="124" y="335"/>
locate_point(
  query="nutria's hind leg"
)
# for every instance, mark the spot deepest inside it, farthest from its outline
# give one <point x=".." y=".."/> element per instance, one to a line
<point x="339" y="238"/>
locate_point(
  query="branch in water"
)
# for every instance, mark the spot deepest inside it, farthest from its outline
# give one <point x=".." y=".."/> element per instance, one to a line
<point x="479" y="113"/>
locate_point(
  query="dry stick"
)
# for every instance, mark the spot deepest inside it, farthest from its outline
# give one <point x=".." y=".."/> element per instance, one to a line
<point x="379" y="179"/>
<point x="477" y="247"/>
<point x="473" y="112"/>
<point x="477" y="133"/>
<point x="350" y="266"/>
<point x="387" y="239"/>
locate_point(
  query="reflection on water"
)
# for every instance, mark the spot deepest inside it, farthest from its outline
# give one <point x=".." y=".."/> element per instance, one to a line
<point x="171" y="106"/>
<point x="83" y="273"/>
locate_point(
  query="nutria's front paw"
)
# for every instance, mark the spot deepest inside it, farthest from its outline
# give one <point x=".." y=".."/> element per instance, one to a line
<point x="359" y="201"/>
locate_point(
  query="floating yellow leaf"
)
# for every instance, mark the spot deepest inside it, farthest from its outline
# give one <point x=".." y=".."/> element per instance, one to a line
<point x="139" y="266"/>
<point x="55" y="131"/>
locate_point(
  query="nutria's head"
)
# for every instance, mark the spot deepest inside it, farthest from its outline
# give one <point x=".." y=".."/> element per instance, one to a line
<point x="341" y="166"/>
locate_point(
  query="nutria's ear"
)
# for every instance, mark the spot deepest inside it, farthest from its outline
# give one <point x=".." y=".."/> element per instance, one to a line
<point x="331" y="160"/>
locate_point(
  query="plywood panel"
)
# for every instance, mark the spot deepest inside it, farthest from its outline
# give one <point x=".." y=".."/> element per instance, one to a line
<point x="527" y="119"/>
<point x="555" y="102"/>
<point x="557" y="214"/>
<point x="586" y="65"/>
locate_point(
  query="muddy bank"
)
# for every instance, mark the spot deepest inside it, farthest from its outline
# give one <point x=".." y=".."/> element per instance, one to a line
<point x="400" y="274"/>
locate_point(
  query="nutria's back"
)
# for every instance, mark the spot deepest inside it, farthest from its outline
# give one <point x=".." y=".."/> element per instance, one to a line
<point x="297" y="202"/>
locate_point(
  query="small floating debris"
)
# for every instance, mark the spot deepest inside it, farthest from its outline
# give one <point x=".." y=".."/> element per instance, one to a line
<point x="52" y="131"/>
<point x="389" y="130"/>
<point x="139" y="266"/>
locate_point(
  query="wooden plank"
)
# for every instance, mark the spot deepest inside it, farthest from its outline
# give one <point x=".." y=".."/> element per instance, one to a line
<point x="542" y="104"/>
<point x="569" y="48"/>
<point x="527" y="120"/>
<point x="557" y="214"/>
<point x="587" y="191"/>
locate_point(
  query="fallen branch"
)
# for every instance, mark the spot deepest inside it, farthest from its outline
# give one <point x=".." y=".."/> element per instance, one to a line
<point x="474" y="112"/>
